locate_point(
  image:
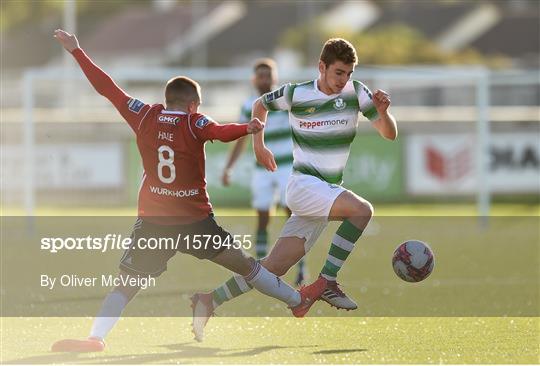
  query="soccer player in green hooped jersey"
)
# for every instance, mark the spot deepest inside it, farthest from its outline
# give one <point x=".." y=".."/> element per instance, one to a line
<point x="265" y="184"/>
<point x="323" y="115"/>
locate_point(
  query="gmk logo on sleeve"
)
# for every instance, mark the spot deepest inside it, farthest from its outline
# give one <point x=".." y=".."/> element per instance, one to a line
<point x="201" y="122"/>
<point x="135" y="105"/>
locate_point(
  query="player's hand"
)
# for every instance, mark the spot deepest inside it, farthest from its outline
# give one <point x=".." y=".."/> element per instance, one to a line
<point x="266" y="158"/>
<point x="381" y="101"/>
<point x="69" y="41"/>
<point x="255" y="125"/>
<point x="225" y="178"/>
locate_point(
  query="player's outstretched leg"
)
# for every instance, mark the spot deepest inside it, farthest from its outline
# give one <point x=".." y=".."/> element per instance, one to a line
<point x="355" y="213"/>
<point x="284" y="254"/>
<point x="261" y="247"/>
<point x="234" y="287"/>
<point x="288" y="251"/>
<point x="257" y="276"/>
<point x="204" y="304"/>
<point x="261" y="244"/>
<point x="110" y="312"/>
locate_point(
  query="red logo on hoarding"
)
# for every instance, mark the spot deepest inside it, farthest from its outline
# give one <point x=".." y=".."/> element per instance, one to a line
<point x="449" y="166"/>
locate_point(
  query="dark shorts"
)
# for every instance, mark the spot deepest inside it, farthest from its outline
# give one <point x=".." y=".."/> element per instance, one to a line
<point x="145" y="257"/>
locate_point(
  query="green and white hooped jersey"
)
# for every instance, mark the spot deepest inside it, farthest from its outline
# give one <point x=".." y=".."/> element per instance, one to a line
<point x="277" y="133"/>
<point x="323" y="126"/>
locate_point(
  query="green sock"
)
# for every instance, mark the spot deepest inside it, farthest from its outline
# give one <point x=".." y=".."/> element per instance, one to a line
<point x="234" y="287"/>
<point x="260" y="245"/>
<point x="342" y="245"/>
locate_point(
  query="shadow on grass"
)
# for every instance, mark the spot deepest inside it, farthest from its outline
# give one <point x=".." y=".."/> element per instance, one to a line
<point x="334" y="351"/>
<point x="179" y="351"/>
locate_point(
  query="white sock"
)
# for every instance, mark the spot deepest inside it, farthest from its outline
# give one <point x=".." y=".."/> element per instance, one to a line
<point x="271" y="285"/>
<point x="110" y="312"/>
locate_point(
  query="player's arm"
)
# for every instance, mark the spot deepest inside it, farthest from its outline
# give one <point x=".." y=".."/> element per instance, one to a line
<point x="386" y="123"/>
<point x="205" y="129"/>
<point x="132" y="110"/>
<point x="263" y="155"/>
<point x="375" y="108"/>
<point x="233" y="157"/>
<point x="245" y="116"/>
<point x="277" y="100"/>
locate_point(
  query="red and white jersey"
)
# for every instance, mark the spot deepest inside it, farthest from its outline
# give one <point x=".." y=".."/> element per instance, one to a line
<point x="171" y="144"/>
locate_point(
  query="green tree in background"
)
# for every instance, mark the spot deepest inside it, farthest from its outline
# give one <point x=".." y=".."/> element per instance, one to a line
<point x="395" y="44"/>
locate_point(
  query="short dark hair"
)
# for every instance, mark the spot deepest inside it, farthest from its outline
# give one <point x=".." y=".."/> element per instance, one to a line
<point x="181" y="90"/>
<point x="338" y="49"/>
<point x="265" y="62"/>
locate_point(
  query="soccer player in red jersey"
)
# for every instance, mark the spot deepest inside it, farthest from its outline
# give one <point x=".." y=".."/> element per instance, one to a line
<point x="173" y="199"/>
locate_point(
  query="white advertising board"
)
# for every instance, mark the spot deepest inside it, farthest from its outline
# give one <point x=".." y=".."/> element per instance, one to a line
<point x="446" y="163"/>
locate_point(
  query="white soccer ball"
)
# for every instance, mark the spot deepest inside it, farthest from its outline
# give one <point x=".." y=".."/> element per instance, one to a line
<point x="413" y="261"/>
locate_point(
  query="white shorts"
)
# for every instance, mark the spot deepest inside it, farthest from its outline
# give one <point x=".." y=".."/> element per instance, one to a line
<point x="265" y="186"/>
<point x="305" y="227"/>
<point x="310" y="196"/>
<point x="310" y="200"/>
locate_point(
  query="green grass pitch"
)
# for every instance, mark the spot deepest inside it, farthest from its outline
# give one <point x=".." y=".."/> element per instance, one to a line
<point x="283" y="340"/>
<point x="479" y="306"/>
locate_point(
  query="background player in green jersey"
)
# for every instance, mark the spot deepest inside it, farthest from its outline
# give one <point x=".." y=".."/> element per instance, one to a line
<point x="266" y="186"/>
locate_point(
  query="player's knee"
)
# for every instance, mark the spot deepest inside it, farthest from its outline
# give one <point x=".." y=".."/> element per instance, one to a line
<point x="369" y="210"/>
<point x="363" y="209"/>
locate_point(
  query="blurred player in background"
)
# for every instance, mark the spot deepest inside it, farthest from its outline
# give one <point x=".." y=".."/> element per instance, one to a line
<point x="172" y="198"/>
<point x="323" y="114"/>
<point x="265" y="184"/>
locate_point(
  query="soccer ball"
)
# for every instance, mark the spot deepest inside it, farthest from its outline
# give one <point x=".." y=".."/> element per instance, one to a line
<point x="413" y="261"/>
